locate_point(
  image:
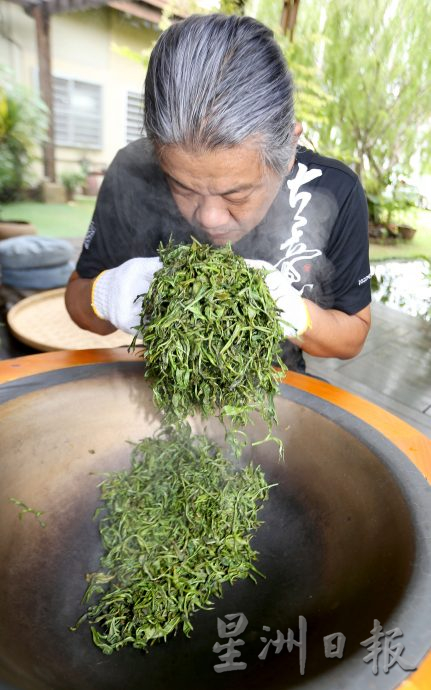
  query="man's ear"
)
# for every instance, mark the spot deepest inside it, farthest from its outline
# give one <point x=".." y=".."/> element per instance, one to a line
<point x="298" y="129"/>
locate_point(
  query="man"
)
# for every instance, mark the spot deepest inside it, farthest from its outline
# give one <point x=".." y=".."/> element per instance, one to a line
<point x="221" y="164"/>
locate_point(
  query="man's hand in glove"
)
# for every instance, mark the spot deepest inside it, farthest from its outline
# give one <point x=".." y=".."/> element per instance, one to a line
<point x="114" y="292"/>
<point x="294" y="315"/>
<point x="319" y="332"/>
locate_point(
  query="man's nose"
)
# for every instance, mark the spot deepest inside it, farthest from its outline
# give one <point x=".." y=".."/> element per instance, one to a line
<point x="211" y="212"/>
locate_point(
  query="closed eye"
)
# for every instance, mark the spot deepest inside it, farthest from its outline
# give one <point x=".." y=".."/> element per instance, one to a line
<point x="179" y="189"/>
<point x="237" y="198"/>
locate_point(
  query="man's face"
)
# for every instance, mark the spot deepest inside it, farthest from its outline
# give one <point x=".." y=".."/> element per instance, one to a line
<point x="224" y="193"/>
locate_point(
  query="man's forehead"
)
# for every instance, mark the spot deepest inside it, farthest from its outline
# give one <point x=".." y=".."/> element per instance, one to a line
<point x="221" y="171"/>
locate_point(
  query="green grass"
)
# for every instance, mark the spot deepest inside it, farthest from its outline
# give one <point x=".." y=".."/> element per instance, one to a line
<point x="53" y="220"/>
<point x="418" y="247"/>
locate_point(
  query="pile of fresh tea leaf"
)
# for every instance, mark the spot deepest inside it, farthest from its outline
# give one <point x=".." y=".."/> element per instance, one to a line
<point x="174" y="528"/>
<point x="179" y="523"/>
<point x="211" y="335"/>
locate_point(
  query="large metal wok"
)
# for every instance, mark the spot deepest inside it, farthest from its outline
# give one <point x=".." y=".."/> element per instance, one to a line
<point x="346" y="538"/>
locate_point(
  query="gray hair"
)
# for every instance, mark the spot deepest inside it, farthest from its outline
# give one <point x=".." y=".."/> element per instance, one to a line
<point x="214" y="81"/>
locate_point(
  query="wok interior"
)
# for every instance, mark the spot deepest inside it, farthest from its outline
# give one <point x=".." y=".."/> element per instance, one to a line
<point x="336" y="546"/>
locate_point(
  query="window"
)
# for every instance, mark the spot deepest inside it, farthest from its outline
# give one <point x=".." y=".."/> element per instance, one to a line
<point x="77" y="113"/>
<point x="135" y="117"/>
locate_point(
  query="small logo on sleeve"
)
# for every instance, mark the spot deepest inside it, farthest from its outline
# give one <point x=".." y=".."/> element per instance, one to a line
<point x="365" y="279"/>
<point x="90" y="234"/>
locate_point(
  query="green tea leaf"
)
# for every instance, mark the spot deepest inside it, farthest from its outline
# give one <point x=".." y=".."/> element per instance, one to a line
<point x="174" y="527"/>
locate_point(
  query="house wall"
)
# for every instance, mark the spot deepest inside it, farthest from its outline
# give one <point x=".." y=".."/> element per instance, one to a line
<point x="82" y="47"/>
<point x="17" y="42"/>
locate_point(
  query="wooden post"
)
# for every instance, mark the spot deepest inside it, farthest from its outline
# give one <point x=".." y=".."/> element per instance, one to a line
<point x="288" y="16"/>
<point x="41" y="17"/>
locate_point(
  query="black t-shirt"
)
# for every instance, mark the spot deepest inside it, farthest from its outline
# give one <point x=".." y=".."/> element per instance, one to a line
<point x="316" y="231"/>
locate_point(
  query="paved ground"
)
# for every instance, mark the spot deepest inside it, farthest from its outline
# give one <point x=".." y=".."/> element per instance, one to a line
<point x="393" y="370"/>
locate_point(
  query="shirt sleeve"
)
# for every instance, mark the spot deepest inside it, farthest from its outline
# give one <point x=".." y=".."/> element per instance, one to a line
<point x="108" y="239"/>
<point x="348" y="252"/>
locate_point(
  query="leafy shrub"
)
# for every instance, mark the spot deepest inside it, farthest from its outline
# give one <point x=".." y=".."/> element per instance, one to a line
<point x="23" y="126"/>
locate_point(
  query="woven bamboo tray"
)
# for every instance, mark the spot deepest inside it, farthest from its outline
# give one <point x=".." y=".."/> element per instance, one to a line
<point x="42" y="322"/>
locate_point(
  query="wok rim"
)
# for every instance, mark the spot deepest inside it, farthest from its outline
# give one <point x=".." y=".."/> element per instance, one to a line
<point x="415" y="446"/>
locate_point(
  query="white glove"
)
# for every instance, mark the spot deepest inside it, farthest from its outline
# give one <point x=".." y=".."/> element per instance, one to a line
<point x="294" y="315"/>
<point x="114" y="291"/>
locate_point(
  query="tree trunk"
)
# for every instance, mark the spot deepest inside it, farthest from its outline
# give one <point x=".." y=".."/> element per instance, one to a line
<point x="288" y="16"/>
<point x="41" y="17"/>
